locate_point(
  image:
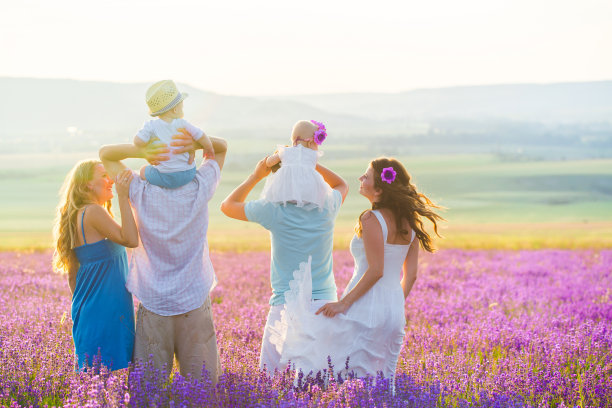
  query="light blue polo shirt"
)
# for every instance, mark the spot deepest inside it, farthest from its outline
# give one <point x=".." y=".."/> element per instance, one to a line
<point x="295" y="233"/>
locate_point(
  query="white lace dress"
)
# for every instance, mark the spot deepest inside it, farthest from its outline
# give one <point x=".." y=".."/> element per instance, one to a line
<point x="370" y="333"/>
<point x="297" y="180"/>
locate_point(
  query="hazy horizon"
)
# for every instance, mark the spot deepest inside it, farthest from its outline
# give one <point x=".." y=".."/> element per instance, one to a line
<point x="278" y="95"/>
<point x="279" y="48"/>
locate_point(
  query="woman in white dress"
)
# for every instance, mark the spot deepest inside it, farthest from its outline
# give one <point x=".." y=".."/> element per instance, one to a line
<point x="366" y="326"/>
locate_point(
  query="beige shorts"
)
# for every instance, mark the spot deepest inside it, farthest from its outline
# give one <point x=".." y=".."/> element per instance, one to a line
<point x="190" y="336"/>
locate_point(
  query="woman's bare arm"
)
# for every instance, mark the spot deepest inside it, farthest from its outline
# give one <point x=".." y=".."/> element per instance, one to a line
<point x="375" y="254"/>
<point x="72" y="274"/>
<point x="99" y="220"/>
<point x="410" y="268"/>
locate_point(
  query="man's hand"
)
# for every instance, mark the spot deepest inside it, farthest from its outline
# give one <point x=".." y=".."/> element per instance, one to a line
<point x="183" y="142"/>
<point x="261" y="169"/>
<point x="155" y="151"/>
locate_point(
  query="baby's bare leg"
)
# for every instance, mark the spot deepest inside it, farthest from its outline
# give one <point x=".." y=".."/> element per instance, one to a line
<point x="142" y="172"/>
<point x="273" y="160"/>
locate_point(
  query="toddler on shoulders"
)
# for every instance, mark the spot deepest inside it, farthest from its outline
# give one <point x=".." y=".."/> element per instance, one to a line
<point x="297" y="180"/>
<point x="166" y="103"/>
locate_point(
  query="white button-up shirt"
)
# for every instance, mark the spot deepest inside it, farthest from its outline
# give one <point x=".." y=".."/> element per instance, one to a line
<point x="170" y="270"/>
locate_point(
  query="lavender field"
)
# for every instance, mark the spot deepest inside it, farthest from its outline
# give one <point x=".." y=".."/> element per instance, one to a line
<point x="484" y="328"/>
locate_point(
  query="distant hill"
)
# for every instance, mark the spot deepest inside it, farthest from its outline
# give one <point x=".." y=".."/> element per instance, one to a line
<point x="559" y="102"/>
<point x="52" y="105"/>
<point x="61" y="115"/>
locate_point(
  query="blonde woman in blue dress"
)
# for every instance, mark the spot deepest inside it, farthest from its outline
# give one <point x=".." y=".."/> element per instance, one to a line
<point x="90" y="248"/>
<point x="367" y="324"/>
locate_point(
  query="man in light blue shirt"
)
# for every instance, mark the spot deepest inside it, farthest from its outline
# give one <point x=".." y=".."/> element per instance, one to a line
<point x="296" y="233"/>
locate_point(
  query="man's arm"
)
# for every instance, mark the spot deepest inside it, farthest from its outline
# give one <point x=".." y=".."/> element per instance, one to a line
<point x="138" y="142"/>
<point x="220" y="149"/>
<point x="233" y="205"/>
<point x="185" y="144"/>
<point x="111" y="155"/>
<point x="335" y="181"/>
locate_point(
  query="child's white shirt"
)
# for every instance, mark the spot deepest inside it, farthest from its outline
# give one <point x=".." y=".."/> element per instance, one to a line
<point x="164" y="131"/>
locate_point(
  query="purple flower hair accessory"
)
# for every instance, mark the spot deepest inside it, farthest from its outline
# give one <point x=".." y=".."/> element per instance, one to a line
<point x="388" y="175"/>
<point x="321" y="133"/>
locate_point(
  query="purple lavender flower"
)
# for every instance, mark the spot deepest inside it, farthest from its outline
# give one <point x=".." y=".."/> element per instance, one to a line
<point x="486" y="329"/>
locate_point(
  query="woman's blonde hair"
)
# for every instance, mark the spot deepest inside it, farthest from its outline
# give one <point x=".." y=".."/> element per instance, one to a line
<point x="74" y="195"/>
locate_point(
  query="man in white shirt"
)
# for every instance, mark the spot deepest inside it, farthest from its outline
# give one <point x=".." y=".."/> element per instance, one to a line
<point x="170" y="271"/>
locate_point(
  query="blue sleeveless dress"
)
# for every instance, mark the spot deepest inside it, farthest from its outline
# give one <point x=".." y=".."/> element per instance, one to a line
<point x="102" y="308"/>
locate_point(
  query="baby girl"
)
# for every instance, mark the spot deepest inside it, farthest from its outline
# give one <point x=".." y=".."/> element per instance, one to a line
<point x="297" y="180"/>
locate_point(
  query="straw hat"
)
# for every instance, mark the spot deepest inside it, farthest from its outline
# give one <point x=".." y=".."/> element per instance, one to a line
<point x="163" y="96"/>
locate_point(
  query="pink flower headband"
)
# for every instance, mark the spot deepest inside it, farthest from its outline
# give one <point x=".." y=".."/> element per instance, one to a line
<point x="321" y="133"/>
<point x="388" y="175"/>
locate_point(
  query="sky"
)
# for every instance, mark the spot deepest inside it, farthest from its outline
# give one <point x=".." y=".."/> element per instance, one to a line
<point x="251" y="48"/>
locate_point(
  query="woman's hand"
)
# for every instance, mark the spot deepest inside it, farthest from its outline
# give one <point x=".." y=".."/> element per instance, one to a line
<point x="122" y="183"/>
<point x="155" y="151"/>
<point x="333" y="308"/>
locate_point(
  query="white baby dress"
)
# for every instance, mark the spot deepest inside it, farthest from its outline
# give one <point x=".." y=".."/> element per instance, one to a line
<point x="297" y="181"/>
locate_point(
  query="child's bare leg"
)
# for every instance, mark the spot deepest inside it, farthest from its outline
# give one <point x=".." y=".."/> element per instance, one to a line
<point x="142" y="172"/>
<point x="273" y="160"/>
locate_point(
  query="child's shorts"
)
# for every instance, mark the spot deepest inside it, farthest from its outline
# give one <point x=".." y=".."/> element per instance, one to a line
<point x="169" y="180"/>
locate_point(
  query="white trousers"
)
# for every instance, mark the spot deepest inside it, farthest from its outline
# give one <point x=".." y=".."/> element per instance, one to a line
<point x="269" y="358"/>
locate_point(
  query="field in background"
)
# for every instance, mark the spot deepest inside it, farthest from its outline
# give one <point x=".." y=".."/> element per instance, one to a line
<point x="491" y="202"/>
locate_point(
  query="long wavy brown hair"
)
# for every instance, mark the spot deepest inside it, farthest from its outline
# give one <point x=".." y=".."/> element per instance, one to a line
<point x="404" y="201"/>
<point x="74" y="195"/>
